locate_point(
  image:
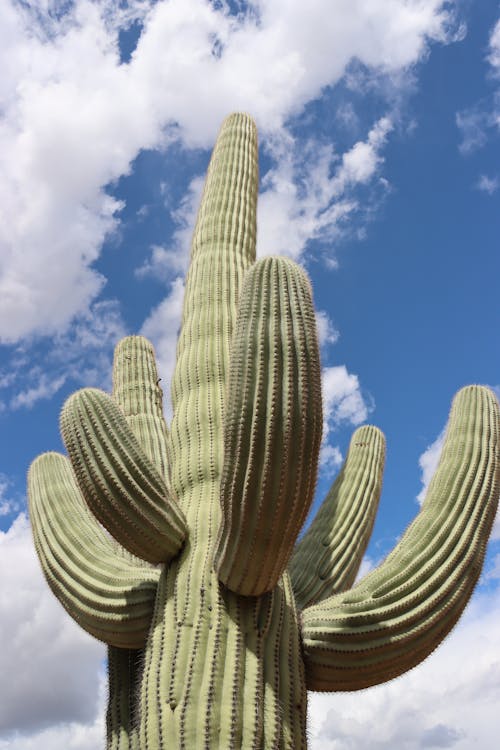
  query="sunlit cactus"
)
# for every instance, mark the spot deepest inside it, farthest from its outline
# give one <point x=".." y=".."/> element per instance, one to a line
<point x="217" y="620"/>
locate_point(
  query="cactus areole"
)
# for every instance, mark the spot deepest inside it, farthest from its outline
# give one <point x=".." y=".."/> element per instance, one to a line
<point x="217" y="620"/>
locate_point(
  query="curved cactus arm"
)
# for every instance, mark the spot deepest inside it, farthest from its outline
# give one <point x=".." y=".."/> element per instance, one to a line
<point x="328" y="556"/>
<point x="111" y="596"/>
<point x="137" y="392"/>
<point x="401" y="611"/>
<point x="119" y="483"/>
<point x="272" y="427"/>
<point x="223" y="248"/>
<point x="124" y="669"/>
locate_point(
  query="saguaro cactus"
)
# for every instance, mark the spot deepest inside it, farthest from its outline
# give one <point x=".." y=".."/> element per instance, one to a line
<point x="217" y="621"/>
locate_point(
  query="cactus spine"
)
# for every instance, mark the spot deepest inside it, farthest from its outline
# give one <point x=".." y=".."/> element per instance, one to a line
<point x="217" y="622"/>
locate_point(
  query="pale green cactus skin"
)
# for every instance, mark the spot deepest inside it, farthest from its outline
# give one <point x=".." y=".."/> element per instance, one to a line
<point x="217" y="621"/>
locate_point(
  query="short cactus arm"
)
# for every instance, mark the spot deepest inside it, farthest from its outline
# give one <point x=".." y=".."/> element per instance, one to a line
<point x="272" y="427"/>
<point x="119" y="483"/>
<point x="400" y="612"/>
<point x="327" y="558"/>
<point x="136" y="390"/>
<point x="109" y="594"/>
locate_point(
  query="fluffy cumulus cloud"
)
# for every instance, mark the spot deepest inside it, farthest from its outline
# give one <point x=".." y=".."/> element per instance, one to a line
<point x="51" y="670"/>
<point x="310" y="193"/>
<point x="343" y="403"/>
<point x="449" y="701"/>
<point x="68" y="130"/>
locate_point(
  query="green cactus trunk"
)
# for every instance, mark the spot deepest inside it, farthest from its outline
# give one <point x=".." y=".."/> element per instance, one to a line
<point x="221" y="670"/>
<point x="217" y="621"/>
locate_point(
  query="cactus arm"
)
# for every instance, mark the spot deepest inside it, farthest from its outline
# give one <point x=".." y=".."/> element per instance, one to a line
<point x="137" y="392"/>
<point x="124" y="671"/>
<point x="400" y="612"/>
<point x="119" y="483"/>
<point x="222" y="250"/>
<point x="110" y="596"/>
<point x="327" y="558"/>
<point x="272" y="427"/>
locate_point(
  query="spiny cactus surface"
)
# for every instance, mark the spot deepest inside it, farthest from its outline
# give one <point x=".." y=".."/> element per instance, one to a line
<point x="217" y="620"/>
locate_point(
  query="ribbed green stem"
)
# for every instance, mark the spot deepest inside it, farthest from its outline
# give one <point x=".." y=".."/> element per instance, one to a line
<point x="400" y="612"/>
<point x="124" y="672"/>
<point x="137" y="392"/>
<point x="232" y="677"/>
<point x="272" y="427"/>
<point x="118" y="481"/>
<point x="223" y="249"/>
<point x="212" y="677"/>
<point x="110" y="596"/>
<point x="327" y="558"/>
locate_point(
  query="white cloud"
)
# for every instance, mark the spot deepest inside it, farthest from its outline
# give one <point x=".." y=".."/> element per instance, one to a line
<point x="330" y="459"/>
<point x="428" y="463"/>
<point x="53" y="667"/>
<point x="8" y="503"/>
<point x="162" y="328"/>
<point x="68" y="130"/>
<point x="342" y="397"/>
<point x="45" y="389"/>
<point x="309" y="195"/>
<point x="327" y="333"/>
<point x="71" y="736"/>
<point x="82" y="355"/>
<point x="487" y="184"/>
<point x="165" y="261"/>
<point x="435" y="705"/>
<point x="475" y="123"/>
<point x="343" y="403"/>
<point x="494" y="48"/>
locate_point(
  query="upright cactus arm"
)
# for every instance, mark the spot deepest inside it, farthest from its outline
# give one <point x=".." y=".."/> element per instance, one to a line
<point x="223" y="248"/>
<point x="136" y="390"/>
<point x="109" y="595"/>
<point x="327" y="558"/>
<point x="119" y="483"/>
<point x="401" y="611"/>
<point x="272" y="427"/>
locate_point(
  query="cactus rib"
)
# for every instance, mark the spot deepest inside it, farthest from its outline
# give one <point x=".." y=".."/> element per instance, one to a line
<point x="272" y="427"/>
<point x="400" y="612"/>
<point x="327" y="558"/>
<point x="110" y="596"/>
<point x="119" y="483"/>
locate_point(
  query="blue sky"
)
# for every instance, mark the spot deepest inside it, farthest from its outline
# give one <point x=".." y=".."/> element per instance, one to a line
<point x="380" y="173"/>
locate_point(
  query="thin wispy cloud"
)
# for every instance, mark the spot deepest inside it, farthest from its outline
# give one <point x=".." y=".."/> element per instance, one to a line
<point x="481" y="121"/>
<point x="488" y="185"/>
